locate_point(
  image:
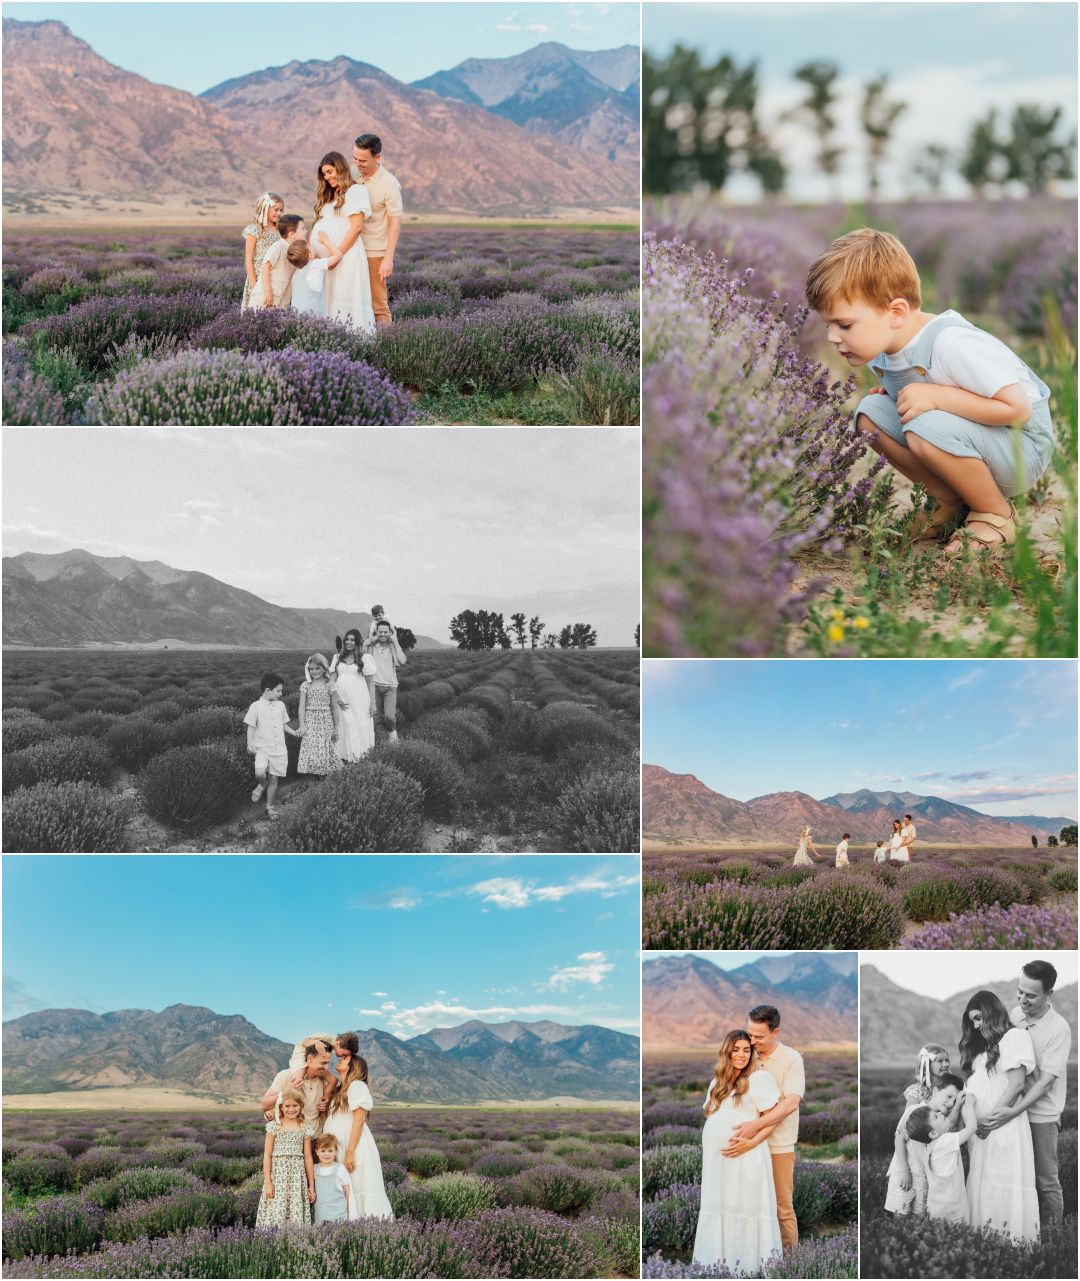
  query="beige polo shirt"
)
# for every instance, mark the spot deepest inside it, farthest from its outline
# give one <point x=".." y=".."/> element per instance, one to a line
<point x="384" y="192"/>
<point x="785" y="1066"/>
<point x="1052" y="1039"/>
<point x="311" y="1090"/>
<point x="906" y="831"/>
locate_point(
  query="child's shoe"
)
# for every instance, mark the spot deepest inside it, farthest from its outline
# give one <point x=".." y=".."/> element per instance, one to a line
<point x="393" y="736"/>
<point x="272" y="812"/>
<point x="256" y="795"/>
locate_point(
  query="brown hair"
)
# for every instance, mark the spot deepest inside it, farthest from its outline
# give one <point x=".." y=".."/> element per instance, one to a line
<point x="356" y="1071"/>
<point x="864" y="266"/>
<point x="918" y="1125"/>
<point x="728" y="1079"/>
<point x="298" y="253"/>
<point x="325" y="1141"/>
<point x="324" y="193"/>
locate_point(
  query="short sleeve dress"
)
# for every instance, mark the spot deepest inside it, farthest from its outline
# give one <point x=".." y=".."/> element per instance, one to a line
<point x="287" y="1173"/>
<point x="318" y="754"/>
<point x="738" y="1223"/>
<point x="264" y="240"/>
<point x="369" y="1199"/>
<point x="348" y="285"/>
<point x="913" y="1201"/>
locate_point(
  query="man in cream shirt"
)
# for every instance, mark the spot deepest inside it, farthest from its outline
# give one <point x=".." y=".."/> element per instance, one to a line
<point x="314" y="1053"/>
<point x="907" y="837"/>
<point x="786" y="1067"/>
<point x="380" y="232"/>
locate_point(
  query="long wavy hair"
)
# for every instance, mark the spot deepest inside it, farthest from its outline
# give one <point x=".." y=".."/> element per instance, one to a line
<point x="727" y="1078"/>
<point x="340" y="651"/>
<point x="356" y="1071"/>
<point x="324" y="193"/>
<point x="973" y="1041"/>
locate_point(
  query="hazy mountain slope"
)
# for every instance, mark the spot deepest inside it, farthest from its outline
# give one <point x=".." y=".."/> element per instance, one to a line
<point x="680" y="806"/>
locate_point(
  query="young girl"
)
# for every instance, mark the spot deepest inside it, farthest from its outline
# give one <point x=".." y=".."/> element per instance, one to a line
<point x="286" y="1157"/>
<point x="318" y="720"/>
<point x="907" y="1190"/>
<point x="802" y="858"/>
<point x="259" y="236"/>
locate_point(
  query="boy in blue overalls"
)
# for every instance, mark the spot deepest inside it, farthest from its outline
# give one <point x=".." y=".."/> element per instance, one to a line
<point x="951" y="393"/>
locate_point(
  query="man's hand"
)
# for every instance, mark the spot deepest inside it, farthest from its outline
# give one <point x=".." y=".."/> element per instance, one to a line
<point x="386" y="267"/>
<point x="916" y="399"/>
<point x="994" y="1121"/>
<point x="268" y="1116"/>
<point x="747" y="1130"/>
<point x="737" y="1146"/>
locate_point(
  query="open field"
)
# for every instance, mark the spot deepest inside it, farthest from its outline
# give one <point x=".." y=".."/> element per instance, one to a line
<point x="510" y="325"/>
<point x="745" y="556"/>
<point x="138" y="1099"/>
<point x="474" y="1193"/>
<point x="736" y="900"/>
<point x="500" y="751"/>
<point x="826" y="1169"/>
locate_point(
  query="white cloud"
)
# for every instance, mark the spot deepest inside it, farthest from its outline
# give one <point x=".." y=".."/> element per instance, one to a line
<point x="405" y="898"/>
<point x="378" y="994"/>
<point x="422" y="1018"/>
<point x="973" y="675"/>
<point x="595" y="966"/>
<point x="372" y="1013"/>
<point x="503" y="892"/>
<point x="512" y="891"/>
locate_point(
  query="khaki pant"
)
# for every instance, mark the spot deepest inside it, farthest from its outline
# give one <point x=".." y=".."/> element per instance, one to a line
<point x="379" y="304"/>
<point x="1044" y="1142"/>
<point x="783" y="1173"/>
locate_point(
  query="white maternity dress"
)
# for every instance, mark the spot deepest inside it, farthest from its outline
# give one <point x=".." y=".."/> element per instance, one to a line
<point x="737" y="1224"/>
<point x="368" y="1199"/>
<point x="897" y="852"/>
<point x="1001" y="1178"/>
<point x="356" y="728"/>
<point x="348" y="285"/>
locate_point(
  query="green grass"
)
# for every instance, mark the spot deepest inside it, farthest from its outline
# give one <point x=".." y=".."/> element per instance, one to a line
<point x="533" y="407"/>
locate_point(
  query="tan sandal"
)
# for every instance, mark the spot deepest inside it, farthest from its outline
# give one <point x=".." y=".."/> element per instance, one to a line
<point x="1005" y="525"/>
<point x="932" y="529"/>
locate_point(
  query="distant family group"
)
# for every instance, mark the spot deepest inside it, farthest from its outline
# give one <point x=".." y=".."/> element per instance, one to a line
<point x="1006" y="1107"/>
<point x="748" y="1148"/>
<point x="315" y="1111"/>
<point x="898" y="848"/>
<point x="341" y="268"/>
<point x="341" y="702"/>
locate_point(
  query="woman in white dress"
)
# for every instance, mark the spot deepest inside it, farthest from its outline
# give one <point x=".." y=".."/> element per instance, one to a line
<point x="898" y="851"/>
<point x="340" y="208"/>
<point x="1001" y="1178"/>
<point x="802" y="858"/>
<point x="352" y="675"/>
<point x="737" y="1224"/>
<point x="346" y="1119"/>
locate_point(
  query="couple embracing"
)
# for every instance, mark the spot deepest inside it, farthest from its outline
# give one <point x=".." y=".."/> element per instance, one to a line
<point x="748" y="1148"/>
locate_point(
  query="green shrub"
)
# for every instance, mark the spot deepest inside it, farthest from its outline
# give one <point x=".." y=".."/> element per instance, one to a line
<point x="206" y="723"/>
<point x="460" y="1196"/>
<point x="57" y="760"/>
<point x="1064" y="879"/>
<point x="52" y="1226"/>
<point x="431" y="765"/>
<point x="410" y="1201"/>
<point x="427" y="1162"/>
<point x="616" y="1243"/>
<point x="26" y="732"/>
<point x="558" y="1188"/>
<point x="601" y="814"/>
<point x="849" y="1146"/>
<point x="561" y="725"/>
<point x="39" y="1170"/>
<point x="369" y="807"/>
<point x="171" y="1215"/>
<point x="150" y="1182"/>
<point x="192" y="787"/>
<point x="492" y="699"/>
<point x="65" y="818"/>
<point x="743" y="873"/>
<point x="135" y="740"/>
<point x="664" y="1167"/>
<point x="230" y="1170"/>
<point x="460" y="731"/>
<point x="171" y="1151"/>
<point x="529" y="1244"/>
<point x="96" y="724"/>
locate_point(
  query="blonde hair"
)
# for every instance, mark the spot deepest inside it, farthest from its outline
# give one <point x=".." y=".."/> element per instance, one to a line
<point x="311" y="658"/>
<point x="264" y="204"/>
<point x="864" y="266"/>
<point x="291" y="1096"/>
<point x="804" y="834"/>
<point x="727" y="1078"/>
<point x="926" y="1054"/>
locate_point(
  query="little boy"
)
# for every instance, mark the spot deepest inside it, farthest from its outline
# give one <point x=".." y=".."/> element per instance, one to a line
<point x="951" y="392"/>
<point x="280" y="263"/>
<point x="332" y="1183"/>
<point x="907" y="1189"/>
<point x="841" y="851"/>
<point x="946" y="1195"/>
<point x="377" y="615"/>
<point x="881" y="853"/>
<point x="388" y="656"/>
<point x="267" y="720"/>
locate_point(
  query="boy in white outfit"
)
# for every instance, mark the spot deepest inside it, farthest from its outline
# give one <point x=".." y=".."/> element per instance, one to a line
<point x="267" y="722"/>
<point x="841" y="851"/>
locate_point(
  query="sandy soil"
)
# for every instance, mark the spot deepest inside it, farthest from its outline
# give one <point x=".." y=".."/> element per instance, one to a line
<point x="153" y="1100"/>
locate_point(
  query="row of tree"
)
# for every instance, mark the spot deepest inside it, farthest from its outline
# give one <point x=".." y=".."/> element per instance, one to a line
<point x="701" y="125"/>
<point x="479" y="629"/>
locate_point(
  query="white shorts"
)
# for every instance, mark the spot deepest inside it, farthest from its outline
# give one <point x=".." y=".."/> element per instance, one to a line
<point x="277" y="764"/>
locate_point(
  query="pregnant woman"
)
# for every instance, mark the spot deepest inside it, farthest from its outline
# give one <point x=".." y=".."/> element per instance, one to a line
<point x="346" y="1120"/>
<point x="340" y="208"/>
<point x="737" y="1225"/>
<point x="352" y="675"/>
<point x="1001" y="1180"/>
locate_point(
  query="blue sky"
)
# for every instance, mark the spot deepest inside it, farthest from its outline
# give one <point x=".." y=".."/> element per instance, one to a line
<point x="948" y="62"/>
<point x="402" y="943"/>
<point x="998" y="736"/>
<point x="196" y="46"/>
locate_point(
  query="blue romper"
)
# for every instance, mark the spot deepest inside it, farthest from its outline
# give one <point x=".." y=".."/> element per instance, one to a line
<point x="960" y="436"/>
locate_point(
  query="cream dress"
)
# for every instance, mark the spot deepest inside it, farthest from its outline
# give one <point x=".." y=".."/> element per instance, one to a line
<point x="368" y="1199"/>
<point x="737" y="1225"/>
<point x="348" y="285"/>
<point x="1001" y="1175"/>
<point x="356" y="728"/>
<point x="802" y="856"/>
<point x="896" y="853"/>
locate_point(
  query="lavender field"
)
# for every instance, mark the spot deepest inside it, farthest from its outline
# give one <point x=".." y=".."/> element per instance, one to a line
<point x="826" y="1194"/>
<point x="490" y="325"/>
<point x="475" y="1194"/>
<point x="499" y="750"/>
<point x="946" y="899"/>
<point x="769" y="529"/>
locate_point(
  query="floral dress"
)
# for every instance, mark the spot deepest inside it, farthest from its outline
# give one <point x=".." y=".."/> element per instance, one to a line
<point x="913" y="1201"/>
<point x="263" y="241"/>
<point x="317" y="753"/>
<point x="289" y="1177"/>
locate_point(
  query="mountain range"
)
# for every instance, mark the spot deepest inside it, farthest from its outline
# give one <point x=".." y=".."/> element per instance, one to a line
<point x="895" y="1022"/>
<point x="77" y="598"/>
<point x="589" y="100"/>
<point x="686" y="1001"/>
<point x="195" y="1050"/>
<point x="680" y="807"/>
<point x="112" y="139"/>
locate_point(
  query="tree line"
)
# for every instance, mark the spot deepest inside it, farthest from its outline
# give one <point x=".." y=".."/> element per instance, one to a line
<point x="701" y="125"/>
<point x="479" y="629"/>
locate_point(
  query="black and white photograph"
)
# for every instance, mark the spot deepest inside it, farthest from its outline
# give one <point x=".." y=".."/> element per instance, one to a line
<point x="321" y="640"/>
<point x="968" y="1114"/>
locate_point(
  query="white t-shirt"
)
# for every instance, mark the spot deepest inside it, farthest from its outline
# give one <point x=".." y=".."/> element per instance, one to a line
<point x="268" y="720"/>
<point x="972" y="360"/>
<point x="336" y="1171"/>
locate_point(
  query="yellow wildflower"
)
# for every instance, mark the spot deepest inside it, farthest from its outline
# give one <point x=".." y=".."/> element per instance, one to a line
<point x="836" y="632"/>
<point x="861" y="622"/>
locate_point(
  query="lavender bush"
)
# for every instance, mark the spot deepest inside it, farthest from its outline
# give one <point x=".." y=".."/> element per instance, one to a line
<point x="52" y="1225"/>
<point x="997" y="929"/>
